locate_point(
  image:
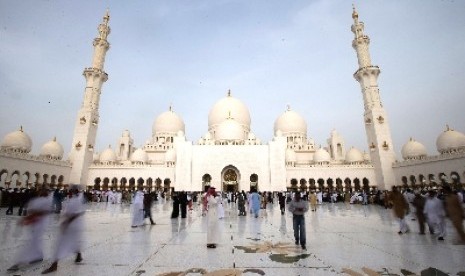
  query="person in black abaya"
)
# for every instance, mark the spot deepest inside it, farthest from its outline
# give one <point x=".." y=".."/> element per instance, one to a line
<point x="183" y="202"/>
<point x="175" y="213"/>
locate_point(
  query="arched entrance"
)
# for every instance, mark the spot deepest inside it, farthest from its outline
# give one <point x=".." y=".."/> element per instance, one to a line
<point x="230" y="178"/>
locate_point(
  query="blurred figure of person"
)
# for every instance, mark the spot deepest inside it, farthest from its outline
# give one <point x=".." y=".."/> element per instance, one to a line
<point x="11" y="200"/>
<point x="189" y="201"/>
<point x="298" y="208"/>
<point x="138" y="208"/>
<point x="255" y="202"/>
<point x="220" y="206"/>
<point x="435" y="214"/>
<point x="455" y="212"/>
<point x="319" y="195"/>
<point x="241" y="204"/>
<point x="72" y="226"/>
<point x="401" y="209"/>
<point x="175" y="212"/>
<point x="183" y="203"/>
<point x="419" y="203"/>
<point x="148" y="201"/>
<point x="282" y="202"/>
<point x="57" y="200"/>
<point x="213" y="235"/>
<point x="313" y="201"/>
<point x="37" y="220"/>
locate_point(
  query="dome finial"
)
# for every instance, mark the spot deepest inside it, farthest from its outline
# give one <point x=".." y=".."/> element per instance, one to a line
<point x="354" y="12"/>
<point x="54" y="138"/>
<point x="106" y="17"/>
<point x="447" y="127"/>
<point x="171" y="107"/>
<point x="21" y="128"/>
<point x="229" y="92"/>
<point x="288" y="107"/>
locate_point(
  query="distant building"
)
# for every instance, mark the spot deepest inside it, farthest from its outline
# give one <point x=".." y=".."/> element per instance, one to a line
<point x="229" y="156"/>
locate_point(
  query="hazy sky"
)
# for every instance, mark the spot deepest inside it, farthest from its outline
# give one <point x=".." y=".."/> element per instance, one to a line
<point x="270" y="53"/>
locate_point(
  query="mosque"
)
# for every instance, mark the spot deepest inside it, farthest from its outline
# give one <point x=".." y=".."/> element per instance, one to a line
<point x="229" y="156"/>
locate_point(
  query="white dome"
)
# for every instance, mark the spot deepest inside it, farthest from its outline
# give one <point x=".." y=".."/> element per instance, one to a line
<point x="413" y="149"/>
<point x="450" y="140"/>
<point x="229" y="130"/>
<point x="17" y="140"/>
<point x="321" y="155"/>
<point x="108" y="155"/>
<point x="290" y="122"/>
<point x="52" y="149"/>
<point x="170" y="155"/>
<point x="290" y="155"/>
<point x="139" y="156"/>
<point x="168" y="122"/>
<point x="354" y="155"/>
<point x="229" y="107"/>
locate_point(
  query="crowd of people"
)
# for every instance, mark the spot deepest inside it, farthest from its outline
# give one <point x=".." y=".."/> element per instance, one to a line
<point x="429" y="208"/>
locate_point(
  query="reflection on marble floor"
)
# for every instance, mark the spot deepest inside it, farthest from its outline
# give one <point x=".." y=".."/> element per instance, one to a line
<point x="341" y="240"/>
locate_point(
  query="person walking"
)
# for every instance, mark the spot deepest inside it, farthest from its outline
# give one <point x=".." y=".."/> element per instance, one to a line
<point x="455" y="212"/>
<point x="298" y="208"/>
<point x="419" y="203"/>
<point x="282" y="202"/>
<point x="183" y="203"/>
<point x="37" y="219"/>
<point x="138" y="208"/>
<point x="435" y="213"/>
<point x="175" y="212"/>
<point x="72" y="227"/>
<point x="213" y="235"/>
<point x="148" y="201"/>
<point x="313" y="201"/>
<point x="400" y="209"/>
<point x="241" y="204"/>
<point x="255" y="202"/>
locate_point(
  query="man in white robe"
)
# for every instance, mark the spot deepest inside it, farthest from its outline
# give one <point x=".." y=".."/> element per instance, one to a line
<point x="72" y="226"/>
<point x="435" y="215"/>
<point x="138" y="209"/>
<point x="213" y="235"/>
<point x="37" y="219"/>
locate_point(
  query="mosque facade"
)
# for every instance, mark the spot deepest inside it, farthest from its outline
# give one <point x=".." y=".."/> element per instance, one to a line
<point x="229" y="156"/>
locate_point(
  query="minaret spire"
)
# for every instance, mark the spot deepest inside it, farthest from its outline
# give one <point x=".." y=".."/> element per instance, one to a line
<point x="85" y="130"/>
<point x="375" y="116"/>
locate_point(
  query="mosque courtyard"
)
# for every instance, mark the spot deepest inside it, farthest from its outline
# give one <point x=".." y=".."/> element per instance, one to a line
<point x="342" y="239"/>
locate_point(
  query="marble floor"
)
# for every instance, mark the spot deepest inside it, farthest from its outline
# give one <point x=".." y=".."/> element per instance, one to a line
<point x="342" y="239"/>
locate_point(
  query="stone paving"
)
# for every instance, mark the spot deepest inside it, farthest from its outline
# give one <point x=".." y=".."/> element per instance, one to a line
<point x="342" y="239"/>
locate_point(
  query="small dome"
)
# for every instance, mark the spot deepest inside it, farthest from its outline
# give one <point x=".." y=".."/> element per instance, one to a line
<point x="229" y="130"/>
<point x="168" y="122"/>
<point x="52" y="149"/>
<point x="290" y="155"/>
<point x="290" y="122"/>
<point x="17" y="140"/>
<point x="139" y="156"/>
<point x="321" y="155"/>
<point x="354" y="155"/>
<point x="229" y="107"/>
<point x="413" y="149"/>
<point x="108" y="155"/>
<point x="170" y="155"/>
<point x="450" y="140"/>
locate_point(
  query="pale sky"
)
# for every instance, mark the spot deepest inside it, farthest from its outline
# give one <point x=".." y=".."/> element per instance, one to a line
<point x="270" y="53"/>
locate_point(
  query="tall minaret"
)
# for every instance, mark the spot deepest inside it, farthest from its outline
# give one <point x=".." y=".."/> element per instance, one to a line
<point x="376" y="121"/>
<point x="85" y="130"/>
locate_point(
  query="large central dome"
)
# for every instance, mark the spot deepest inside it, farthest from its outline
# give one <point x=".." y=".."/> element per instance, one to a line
<point x="229" y="107"/>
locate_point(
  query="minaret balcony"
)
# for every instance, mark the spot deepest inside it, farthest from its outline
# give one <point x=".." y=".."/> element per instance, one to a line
<point x="367" y="70"/>
<point x="95" y="71"/>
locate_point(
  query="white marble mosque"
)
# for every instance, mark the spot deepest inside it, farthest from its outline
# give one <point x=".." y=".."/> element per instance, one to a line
<point x="229" y="156"/>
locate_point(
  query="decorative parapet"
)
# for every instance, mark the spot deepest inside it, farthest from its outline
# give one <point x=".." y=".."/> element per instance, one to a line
<point x="429" y="159"/>
<point x="35" y="158"/>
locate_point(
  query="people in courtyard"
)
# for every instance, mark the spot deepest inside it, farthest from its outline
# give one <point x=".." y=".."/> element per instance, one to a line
<point x="298" y="208"/>
<point x="419" y="204"/>
<point x="148" y="201"/>
<point x="72" y="226"/>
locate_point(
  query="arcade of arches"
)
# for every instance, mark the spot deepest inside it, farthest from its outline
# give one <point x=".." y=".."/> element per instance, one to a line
<point x="132" y="183"/>
<point x="28" y="180"/>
